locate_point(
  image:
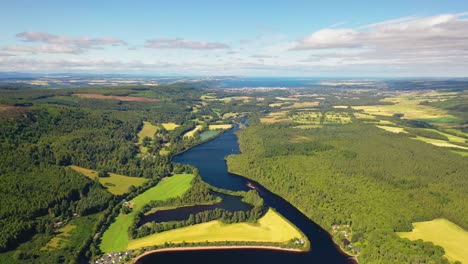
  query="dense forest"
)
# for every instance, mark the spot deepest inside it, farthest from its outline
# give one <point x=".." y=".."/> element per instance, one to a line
<point x="366" y="181"/>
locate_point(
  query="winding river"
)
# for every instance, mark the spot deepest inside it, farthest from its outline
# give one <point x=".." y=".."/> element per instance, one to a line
<point x="209" y="159"/>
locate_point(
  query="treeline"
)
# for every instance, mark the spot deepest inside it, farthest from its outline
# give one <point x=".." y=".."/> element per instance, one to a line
<point x="370" y="182"/>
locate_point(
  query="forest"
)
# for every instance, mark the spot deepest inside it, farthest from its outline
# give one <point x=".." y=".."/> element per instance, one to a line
<point x="361" y="180"/>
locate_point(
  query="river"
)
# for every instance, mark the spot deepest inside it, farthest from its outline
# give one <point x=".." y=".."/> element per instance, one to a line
<point x="209" y="159"/>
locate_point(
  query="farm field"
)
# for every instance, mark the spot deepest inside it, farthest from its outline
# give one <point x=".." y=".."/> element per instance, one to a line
<point x="272" y="227"/>
<point x="191" y="133"/>
<point x="209" y="134"/>
<point x="393" y="129"/>
<point x="170" y="126"/>
<point x="275" y="117"/>
<point x="439" y="143"/>
<point x="410" y="106"/>
<point x="302" y="105"/>
<point x="221" y="126"/>
<point x="114" y="239"/>
<point x="148" y="130"/>
<point x="444" y="233"/>
<point x="115" y="183"/>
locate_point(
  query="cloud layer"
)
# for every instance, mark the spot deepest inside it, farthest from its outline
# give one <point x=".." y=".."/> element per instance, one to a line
<point x="180" y="43"/>
<point x="60" y="44"/>
<point x="436" y="39"/>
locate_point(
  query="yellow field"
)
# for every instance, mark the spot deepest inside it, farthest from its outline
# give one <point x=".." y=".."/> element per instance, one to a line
<point x="287" y="98"/>
<point x="451" y="137"/>
<point x="170" y="126"/>
<point x="148" y="130"/>
<point x="444" y="233"/>
<point x="115" y="183"/>
<point x="192" y="132"/>
<point x="275" y="117"/>
<point x="223" y="126"/>
<point x="270" y="228"/>
<point x="58" y="240"/>
<point x="302" y="105"/>
<point x="230" y="114"/>
<point x="393" y="129"/>
<point x="340" y="106"/>
<point x="439" y="143"/>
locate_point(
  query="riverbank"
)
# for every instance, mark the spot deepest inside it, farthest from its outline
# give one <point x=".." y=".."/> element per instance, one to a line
<point x="193" y="248"/>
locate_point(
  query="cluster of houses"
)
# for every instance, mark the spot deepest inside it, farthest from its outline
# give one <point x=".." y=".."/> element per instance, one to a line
<point x="113" y="258"/>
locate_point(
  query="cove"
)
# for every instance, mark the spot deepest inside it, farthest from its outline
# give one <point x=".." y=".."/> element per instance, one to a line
<point x="209" y="159"/>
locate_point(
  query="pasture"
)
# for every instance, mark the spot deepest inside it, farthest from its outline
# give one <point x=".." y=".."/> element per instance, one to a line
<point x="444" y="233"/>
<point x="115" y="238"/>
<point x="272" y="227"/>
<point x="275" y="117"/>
<point x="115" y="183"/>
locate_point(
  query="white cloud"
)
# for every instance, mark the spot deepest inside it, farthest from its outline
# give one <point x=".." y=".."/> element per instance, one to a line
<point x="60" y="44"/>
<point x="45" y="49"/>
<point x="409" y="40"/>
<point x="180" y="43"/>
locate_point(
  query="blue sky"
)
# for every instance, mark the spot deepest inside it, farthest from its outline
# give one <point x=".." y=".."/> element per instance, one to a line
<point x="253" y="38"/>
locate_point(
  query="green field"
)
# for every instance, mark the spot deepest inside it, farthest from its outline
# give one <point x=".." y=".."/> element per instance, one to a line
<point x="270" y="228"/>
<point x="444" y="233"/>
<point x="208" y="134"/>
<point x="148" y="130"/>
<point x="115" y="183"/>
<point x="115" y="238"/>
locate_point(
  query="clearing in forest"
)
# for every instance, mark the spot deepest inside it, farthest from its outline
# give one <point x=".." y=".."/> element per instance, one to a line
<point x="148" y="130"/>
<point x="115" y="183"/>
<point x="444" y="233"/>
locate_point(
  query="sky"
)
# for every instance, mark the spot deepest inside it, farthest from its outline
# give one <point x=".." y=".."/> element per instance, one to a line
<point x="359" y="38"/>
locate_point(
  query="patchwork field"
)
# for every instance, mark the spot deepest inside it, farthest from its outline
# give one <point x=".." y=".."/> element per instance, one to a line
<point x="272" y="227"/>
<point x="410" y="106"/>
<point x="116" y="97"/>
<point x="115" y="238"/>
<point x="444" y="233"/>
<point x="115" y="183"/>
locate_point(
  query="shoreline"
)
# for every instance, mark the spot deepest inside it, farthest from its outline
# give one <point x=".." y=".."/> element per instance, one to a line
<point x="195" y="248"/>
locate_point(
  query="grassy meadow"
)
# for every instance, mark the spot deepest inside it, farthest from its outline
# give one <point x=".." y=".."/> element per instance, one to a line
<point x="115" y="183"/>
<point x="272" y="227"/>
<point x="115" y="238"/>
<point x="444" y="233"/>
